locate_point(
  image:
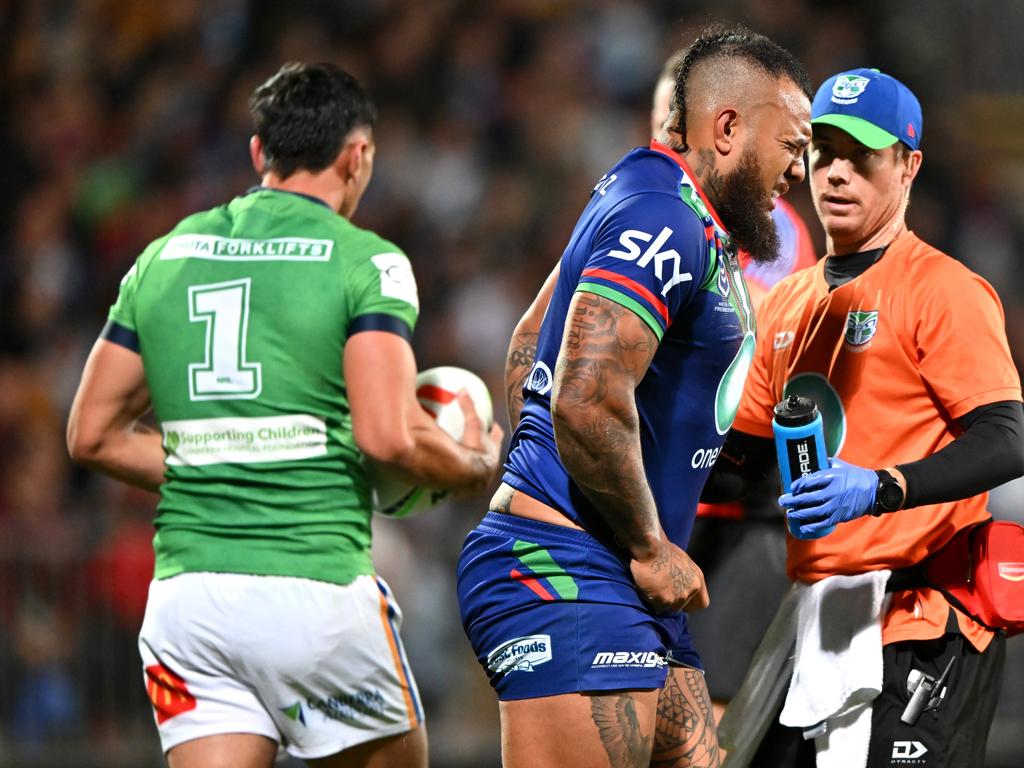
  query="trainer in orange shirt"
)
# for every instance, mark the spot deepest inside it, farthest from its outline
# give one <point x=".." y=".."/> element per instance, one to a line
<point x="904" y="351"/>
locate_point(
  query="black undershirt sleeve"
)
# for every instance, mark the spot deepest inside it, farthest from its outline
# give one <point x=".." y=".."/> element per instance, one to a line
<point x="743" y="464"/>
<point x="990" y="452"/>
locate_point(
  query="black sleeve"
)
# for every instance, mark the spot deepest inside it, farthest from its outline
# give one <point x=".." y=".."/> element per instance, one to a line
<point x="990" y="452"/>
<point x="742" y="465"/>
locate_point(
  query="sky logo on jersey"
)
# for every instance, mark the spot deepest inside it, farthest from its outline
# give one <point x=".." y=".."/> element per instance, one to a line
<point x="666" y="263"/>
<point x="521" y="654"/>
<point x="848" y="88"/>
<point x="861" y="327"/>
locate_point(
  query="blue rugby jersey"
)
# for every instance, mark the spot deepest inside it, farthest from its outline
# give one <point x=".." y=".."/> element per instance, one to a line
<point x="650" y="241"/>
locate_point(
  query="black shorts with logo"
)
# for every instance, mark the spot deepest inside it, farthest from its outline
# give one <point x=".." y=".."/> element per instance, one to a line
<point x="952" y="736"/>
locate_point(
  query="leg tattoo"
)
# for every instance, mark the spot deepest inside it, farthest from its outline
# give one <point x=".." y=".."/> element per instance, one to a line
<point x="685" y="735"/>
<point x="616" y="720"/>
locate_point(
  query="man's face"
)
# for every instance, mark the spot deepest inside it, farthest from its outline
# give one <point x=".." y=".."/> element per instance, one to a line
<point x="771" y="160"/>
<point x="857" y="191"/>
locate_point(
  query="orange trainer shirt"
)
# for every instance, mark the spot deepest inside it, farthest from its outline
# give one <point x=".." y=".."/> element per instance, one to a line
<point x="892" y="358"/>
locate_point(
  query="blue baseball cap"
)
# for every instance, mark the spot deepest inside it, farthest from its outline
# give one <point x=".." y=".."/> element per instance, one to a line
<point x="874" y="108"/>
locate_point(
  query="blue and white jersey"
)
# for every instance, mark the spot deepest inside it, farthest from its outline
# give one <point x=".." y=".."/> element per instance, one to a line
<point x="650" y="241"/>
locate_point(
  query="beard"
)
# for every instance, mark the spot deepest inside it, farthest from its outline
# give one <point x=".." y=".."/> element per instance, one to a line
<point x="745" y="210"/>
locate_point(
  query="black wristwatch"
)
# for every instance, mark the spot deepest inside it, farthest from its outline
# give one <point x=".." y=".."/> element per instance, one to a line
<point x="889" y="496"/>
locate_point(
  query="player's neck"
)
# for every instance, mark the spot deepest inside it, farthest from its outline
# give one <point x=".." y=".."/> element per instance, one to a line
<point x="317" y="185"/>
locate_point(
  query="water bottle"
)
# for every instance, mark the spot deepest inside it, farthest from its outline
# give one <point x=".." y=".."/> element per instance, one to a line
<point x="800" y="444"/>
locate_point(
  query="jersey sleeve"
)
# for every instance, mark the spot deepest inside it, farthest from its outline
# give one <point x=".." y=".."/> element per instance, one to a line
<point x="649" y="255"/>
<point x="757" y="403"/>
<point x="960" y="338"/>
<point x="383" y="293"/>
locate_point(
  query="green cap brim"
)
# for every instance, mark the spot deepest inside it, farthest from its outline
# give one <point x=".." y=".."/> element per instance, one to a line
<point x="868" y="134"/>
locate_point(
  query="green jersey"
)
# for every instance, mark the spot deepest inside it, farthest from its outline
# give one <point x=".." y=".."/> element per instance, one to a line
<point x="241" y="315"/>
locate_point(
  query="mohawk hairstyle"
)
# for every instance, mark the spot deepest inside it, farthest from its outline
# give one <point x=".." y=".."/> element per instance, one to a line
<point x="719" y="42"/>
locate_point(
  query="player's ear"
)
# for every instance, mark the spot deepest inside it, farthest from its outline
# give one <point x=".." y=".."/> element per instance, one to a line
<point x="725" y="130"/>
<point x="259" y="160"/>
<point x="352" y="158"/>
<point x="912" y="165"/>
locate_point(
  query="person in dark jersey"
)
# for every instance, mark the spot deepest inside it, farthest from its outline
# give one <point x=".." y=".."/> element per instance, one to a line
<point x="574" y="587"/>
<point x="740" y="546"/>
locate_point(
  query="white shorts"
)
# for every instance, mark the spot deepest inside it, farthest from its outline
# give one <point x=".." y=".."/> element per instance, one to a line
<point x="314" y="666"/>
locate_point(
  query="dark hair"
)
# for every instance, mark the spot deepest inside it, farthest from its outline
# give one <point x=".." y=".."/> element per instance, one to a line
<point x="304" y="113"/>
<point x="717" y="42"/>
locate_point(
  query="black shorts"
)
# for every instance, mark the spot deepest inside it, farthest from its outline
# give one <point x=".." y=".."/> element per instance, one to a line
<point x="744" y="565"/>
<point x="953" y="736"/>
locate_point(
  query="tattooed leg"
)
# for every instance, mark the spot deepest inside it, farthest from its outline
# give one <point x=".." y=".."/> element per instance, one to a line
<point x="685" y="735"/>
<point x="574" y="730"/>
<point x="625" y="743"/>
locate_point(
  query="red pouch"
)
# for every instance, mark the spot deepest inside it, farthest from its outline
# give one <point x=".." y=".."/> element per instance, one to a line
<point x="981" y="572"/>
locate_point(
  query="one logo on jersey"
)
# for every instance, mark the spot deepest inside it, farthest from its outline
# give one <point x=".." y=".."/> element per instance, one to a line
<point x="620" y="659"/>
<point x="783" y="340"/>
<point x="540" y="378"/>
<point x="848" y="88"/>
<point x="1011" y="571"/>
<point x="908" y="752"/>
<point x="521" y="654"/>
<point x="861" y="327"/>
<point x="727" y="398"/>
<point x="294" y="712"/>
<point x="666" y="263"/>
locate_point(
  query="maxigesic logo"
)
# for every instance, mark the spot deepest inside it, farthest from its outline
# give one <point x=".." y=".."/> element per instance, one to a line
<point x="641" y="659"/>
<point x="520" y="655"/>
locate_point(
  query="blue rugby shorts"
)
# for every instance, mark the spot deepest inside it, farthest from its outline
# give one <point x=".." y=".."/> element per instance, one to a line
<point x="551" y="610"/>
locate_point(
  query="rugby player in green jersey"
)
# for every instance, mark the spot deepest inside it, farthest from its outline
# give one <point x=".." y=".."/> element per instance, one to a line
<point x="270" y="337"/>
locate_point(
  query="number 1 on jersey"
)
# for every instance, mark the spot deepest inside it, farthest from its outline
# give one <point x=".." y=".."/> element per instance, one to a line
<point x="225" y="374"/>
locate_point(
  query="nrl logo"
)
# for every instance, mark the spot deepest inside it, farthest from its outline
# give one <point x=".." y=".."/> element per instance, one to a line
<point x="861" y="327"/>
<point x="848" y="88"/>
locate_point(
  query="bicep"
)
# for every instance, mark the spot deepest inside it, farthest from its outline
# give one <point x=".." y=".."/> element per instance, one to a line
<point x="606" y="351"/>
<point x="380" y="377"/>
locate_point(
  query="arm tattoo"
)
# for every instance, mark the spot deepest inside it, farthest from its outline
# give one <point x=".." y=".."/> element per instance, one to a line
<point x="522" y="353"/>
<point x="605" y="353"/>
<point x="684" y="578"/>
<point x="617" y="722"/>
<point x="685" y="735"/>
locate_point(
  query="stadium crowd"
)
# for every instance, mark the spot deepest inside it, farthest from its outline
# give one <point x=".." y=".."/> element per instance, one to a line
<point x="119" y="117"/>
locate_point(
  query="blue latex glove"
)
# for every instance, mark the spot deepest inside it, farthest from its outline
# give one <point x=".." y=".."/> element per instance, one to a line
<point x="820" y="500"/>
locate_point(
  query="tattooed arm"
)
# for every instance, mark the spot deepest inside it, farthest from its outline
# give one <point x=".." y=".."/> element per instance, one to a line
<point x="522" y="351"/>
<point x="606" y="350"/>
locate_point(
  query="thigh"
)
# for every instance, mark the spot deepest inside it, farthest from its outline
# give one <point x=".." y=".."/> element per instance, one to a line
<point x="685" y="734"/>
<point x="954" y="734"/>
<point x="406" y="750"/>
<point x="227" y="750"/>
<point x="576" y="730"/>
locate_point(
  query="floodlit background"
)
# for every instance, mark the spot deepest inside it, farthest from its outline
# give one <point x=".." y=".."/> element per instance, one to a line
<point x="119" y="117"/>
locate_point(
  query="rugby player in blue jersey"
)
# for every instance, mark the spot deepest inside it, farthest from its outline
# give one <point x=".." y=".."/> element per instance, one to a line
<point x="573" y="589"/>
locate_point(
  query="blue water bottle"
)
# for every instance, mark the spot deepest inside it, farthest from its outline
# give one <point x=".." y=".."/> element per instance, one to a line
<point x="800" y="444"/>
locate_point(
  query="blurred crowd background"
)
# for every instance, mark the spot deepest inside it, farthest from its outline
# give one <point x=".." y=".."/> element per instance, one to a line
<point x="119" y="117"/>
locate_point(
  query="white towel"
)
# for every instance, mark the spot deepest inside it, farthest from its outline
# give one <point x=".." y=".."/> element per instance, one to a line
<point x="837" y="671"/>
<point x="834" y="673"/>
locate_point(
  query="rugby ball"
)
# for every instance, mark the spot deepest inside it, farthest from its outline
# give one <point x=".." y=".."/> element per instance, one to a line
<point x="436" y="390"/>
